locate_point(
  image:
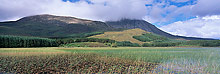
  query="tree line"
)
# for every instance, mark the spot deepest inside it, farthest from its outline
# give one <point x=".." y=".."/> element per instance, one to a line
<point x="109" y="42"/>
<point x="150" y="37"/>
<point x="200" y="43"/>
<point x="7" y="41"/>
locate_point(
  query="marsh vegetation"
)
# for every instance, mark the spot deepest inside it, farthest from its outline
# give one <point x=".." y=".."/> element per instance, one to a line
<point x="110" y="60"/>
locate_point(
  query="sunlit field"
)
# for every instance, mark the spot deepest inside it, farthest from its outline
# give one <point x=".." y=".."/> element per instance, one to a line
<point x="110" y="60"/>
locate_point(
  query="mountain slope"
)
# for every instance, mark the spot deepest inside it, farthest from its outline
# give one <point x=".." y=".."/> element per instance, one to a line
<point x="51" y="26"/>
<point x="126" y="35"/>
<point x="132" y="24"/>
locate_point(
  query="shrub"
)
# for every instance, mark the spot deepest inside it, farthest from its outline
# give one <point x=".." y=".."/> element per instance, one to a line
<point x="127" y="43"/>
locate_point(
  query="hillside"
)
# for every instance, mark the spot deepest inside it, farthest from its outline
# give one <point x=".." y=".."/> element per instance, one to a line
<point x="126" y="35"/>
<point x="132" y="24"/>
<point x="51" y="26"/>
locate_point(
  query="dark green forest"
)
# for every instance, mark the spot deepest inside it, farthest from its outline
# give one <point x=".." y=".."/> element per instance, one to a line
<point x="7" y="41"/>
<point x="150" y="37"/>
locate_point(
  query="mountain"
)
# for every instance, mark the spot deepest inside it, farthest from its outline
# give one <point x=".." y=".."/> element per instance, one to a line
<point x="63" y="26"/>
<point x="132" y="24"/>
<point x="51" y="26"/>
<point x="144" y="25"/>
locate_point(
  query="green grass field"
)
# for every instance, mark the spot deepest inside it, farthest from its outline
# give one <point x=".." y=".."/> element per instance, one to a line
<point x="151" y="60"/>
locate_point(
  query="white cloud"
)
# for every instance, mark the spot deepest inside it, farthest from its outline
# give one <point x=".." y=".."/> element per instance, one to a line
<point x="199" y="8"/>
<point x="213" y="17"/>
<point x="99" y="10"/>
<point x="206" y="7"/>
<point x="179" y="0"/>
<point x="154" y="13"/>
<point x="206" y="27"/>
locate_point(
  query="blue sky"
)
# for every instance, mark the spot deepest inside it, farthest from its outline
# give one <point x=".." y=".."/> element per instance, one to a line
<point x="179" y="17"/>
<point x="194" y="18"/>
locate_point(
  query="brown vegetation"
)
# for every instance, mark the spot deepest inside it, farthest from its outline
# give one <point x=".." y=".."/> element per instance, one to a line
<point x="30" y="53"/>
<point x="126" y="35"/>
<point x="72" y="63"/>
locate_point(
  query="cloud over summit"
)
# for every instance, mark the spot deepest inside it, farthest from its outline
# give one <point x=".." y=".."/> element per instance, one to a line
<point x="96" y="10"/>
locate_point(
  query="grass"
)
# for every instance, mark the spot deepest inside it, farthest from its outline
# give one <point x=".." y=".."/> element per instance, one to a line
<point x="29" y="51"/>
<point x="85" y="44"/>
<point x="126" y="35"/>
<point x="9" y="50"/>
<point x="118" y="60"/>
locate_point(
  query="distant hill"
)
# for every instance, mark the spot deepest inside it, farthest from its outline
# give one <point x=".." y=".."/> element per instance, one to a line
<point x="63" y="26"/>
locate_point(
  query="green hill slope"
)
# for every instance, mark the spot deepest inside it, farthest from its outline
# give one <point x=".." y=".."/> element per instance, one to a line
<point x="51" y="26"/>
